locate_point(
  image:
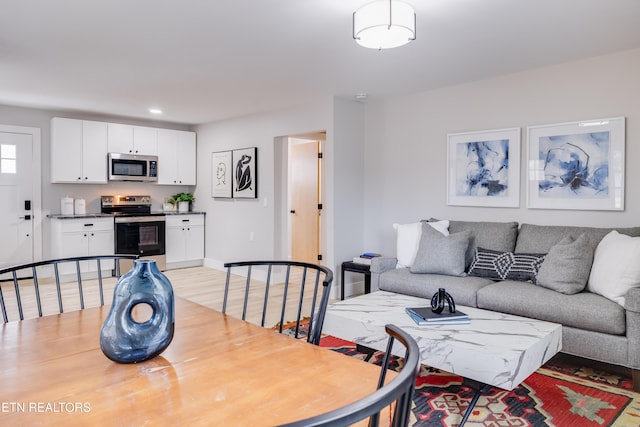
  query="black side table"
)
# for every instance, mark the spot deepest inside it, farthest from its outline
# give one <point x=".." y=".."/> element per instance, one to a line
<point x="355" y="267"/>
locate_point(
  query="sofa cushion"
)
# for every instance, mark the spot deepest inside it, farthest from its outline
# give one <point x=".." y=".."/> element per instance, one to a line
<point x="497" y="236"/>
<point x="567" y="265"/>
<point x="439" y="254"/>
<point x="540" y="238"/>
<point x="616" y="266"/>
<point x="584" y="310"/>
<point x="462" y="289"/>
<point x="408" y="240"/>
<point x="505" y="265"/>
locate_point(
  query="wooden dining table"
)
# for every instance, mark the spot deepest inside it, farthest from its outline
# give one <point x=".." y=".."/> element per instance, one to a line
<point x="218" y="370"/>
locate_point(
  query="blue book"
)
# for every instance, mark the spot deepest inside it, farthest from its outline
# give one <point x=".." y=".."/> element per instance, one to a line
<point x="424" y="316"/>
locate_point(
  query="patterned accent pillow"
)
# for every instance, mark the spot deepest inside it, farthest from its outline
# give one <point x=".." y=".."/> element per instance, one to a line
<point x="498" y="265"/>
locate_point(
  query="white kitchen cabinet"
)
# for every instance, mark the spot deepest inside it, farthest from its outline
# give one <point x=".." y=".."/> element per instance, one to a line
<point x="130" y="139"/>
<point x="176" y="157"/>
<point x="73" y="237"/>
<point x="184" y="240"/>
<point x="78" y="151"/>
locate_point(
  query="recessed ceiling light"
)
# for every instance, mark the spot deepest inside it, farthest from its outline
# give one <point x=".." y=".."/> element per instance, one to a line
<point x="155" y="111"/>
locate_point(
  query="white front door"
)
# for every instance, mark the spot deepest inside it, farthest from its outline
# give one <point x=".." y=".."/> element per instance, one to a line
<point x="19" y="195"/>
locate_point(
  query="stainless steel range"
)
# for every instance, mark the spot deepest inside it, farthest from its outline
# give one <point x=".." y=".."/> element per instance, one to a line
<point x="137" y="230"/>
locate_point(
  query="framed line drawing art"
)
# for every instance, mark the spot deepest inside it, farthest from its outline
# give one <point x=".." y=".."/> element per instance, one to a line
<point x="577" y="165"/>
<point x="221" y="174"/>
<point x="483" y="168"/>
<point x="245" y="176"/>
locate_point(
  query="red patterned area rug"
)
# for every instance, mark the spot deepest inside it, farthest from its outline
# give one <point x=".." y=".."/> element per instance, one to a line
<point x="558" y="394"/>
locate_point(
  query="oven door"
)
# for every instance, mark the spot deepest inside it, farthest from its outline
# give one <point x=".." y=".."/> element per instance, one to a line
<point x="142" y="236"/>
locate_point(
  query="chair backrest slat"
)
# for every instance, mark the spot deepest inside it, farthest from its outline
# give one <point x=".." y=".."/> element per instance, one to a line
<point x="284" y="298"/>
<point x="79" y="279"/>
<point x="282" y="276"/>
<point x="265" y="302"/>
<point x="314" y="299"/>
<point x="36" y="290"/>
<point x="246" y="294"/>
<point x="5" y="318"/>
<point x="100" y="289"/>
<point x="56" y="273"/>
<point x="18" y="298"/>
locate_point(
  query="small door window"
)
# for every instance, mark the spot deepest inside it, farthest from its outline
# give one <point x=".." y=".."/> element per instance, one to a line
<point x="8" y="161"/>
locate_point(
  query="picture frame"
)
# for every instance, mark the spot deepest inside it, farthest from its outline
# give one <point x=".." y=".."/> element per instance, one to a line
<point x="221" y="175"/>
<point x="577" y="165"/>
<point x="483" y="168"/>
<point x="245" y="173"/>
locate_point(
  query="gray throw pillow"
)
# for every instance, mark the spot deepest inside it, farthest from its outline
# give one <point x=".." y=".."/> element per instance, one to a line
<point x="567" y="266"/>
<point x="438" y="254"/>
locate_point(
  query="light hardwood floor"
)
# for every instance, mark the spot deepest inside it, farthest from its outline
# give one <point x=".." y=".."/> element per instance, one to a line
<point x="202" y="285"/>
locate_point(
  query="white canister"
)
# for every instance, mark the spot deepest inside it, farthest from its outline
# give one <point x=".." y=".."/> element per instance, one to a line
<point x="66" y="206"/>
<point x="80" y="207"/>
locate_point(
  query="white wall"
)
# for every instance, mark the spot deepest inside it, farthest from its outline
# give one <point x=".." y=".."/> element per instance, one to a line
<point x="230" y="222"/>
<point x="406" y="141"/>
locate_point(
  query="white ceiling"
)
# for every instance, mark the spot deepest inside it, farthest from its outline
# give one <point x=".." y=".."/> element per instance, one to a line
<point x="207" y="60"/>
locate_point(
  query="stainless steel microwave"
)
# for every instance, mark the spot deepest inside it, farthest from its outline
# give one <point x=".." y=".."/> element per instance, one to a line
<point x="132" y="167"/>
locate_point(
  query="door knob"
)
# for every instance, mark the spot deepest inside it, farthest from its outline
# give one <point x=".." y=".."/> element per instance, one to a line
<point x="292" y="211"/>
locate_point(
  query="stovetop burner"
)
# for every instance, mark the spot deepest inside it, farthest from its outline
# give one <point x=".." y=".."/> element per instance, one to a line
<point x="125" y="205"/>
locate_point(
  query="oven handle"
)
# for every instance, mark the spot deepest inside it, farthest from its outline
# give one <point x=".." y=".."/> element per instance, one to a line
<point x="130" y="219"/>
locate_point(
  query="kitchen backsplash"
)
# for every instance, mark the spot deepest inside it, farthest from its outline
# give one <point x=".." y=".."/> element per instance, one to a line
<point x="91" y="194"/>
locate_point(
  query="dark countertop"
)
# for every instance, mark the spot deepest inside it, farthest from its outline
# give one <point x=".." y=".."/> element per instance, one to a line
<point x="101" y="215"/>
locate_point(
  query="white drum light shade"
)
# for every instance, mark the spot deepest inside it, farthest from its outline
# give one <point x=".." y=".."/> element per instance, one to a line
<point x="384" y="24"/>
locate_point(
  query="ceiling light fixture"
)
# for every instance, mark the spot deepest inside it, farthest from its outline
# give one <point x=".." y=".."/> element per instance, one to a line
<point x="384" y="24"/>
<point x="155" y="111"/>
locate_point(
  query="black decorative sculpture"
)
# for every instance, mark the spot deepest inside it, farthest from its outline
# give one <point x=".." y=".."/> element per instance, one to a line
<point x="438" y="300"/>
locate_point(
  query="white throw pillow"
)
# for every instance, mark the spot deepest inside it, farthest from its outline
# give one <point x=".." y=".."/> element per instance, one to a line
<point x="408" y="240"/>
<point x="616" y="266"/>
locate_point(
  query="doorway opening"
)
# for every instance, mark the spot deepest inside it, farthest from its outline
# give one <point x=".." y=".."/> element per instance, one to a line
<point x="302" y="196"/>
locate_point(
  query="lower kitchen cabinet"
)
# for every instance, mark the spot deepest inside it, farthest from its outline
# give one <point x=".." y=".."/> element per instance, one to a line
<point x="82" y="237"/>
<point x="184" y="240"/>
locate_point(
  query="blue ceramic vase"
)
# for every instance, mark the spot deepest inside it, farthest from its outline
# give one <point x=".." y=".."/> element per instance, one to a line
<point x="123" y="339"/>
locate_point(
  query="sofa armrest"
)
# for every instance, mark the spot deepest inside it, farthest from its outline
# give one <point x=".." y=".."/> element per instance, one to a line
<point x="632" y="300"/>
<point x="382" y="263"/>
<point x="378" y="266"/>
<point x="632" y="306"/>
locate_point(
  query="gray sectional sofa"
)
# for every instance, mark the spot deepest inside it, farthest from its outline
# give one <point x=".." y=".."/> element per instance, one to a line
<point x="594" y="327"/>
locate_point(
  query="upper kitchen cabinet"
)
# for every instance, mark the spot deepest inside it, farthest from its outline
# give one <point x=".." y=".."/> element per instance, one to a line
<point x="78" y="151"/>
<point x="132" y="139"/>
<point x="176" y="157"/>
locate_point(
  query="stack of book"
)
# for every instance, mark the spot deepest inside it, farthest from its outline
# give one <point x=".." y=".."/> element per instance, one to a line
<point x="424" y="316"/>
<point x="365" y="258"/>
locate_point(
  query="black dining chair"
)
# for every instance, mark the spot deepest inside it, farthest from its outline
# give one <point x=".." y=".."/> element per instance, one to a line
<point x="297" y="291"/>
<point x="397" y="394"/>
<point x="30" y="290"/>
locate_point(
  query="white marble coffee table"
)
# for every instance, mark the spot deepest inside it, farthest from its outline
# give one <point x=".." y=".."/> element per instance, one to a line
<point x="494" y="348"/>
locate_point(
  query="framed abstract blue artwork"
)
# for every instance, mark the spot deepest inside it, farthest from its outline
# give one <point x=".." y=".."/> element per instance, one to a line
<point x="483" y="168"/>
<point x="577" y="165"/>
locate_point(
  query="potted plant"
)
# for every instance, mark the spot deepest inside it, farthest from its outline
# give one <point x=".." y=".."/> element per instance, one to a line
<point x="184" y="201"/>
